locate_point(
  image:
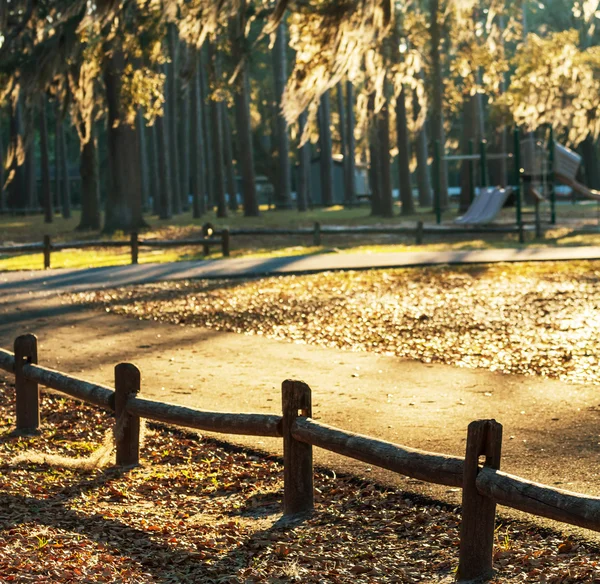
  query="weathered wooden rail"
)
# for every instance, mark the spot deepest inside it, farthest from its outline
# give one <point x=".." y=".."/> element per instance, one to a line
<point x="222" y="239"/>
<point x="483" y="486"/>
<point x="419" y="231"/>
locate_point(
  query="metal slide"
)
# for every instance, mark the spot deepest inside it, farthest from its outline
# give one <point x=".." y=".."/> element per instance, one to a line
<point x="485" y="207"/>
<point x="578" y="187"/>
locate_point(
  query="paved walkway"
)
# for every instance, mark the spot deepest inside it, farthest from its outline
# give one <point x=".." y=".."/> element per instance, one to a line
<point x="94" y="278"/>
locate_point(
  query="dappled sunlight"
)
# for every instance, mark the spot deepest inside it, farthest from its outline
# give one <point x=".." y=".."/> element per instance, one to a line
<point x="533" y="319"/>
<point x="198" y="510"/>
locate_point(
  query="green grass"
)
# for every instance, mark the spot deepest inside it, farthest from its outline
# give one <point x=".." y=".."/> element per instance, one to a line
<point x="32" y="228"/>
<point x="92" y="258"/>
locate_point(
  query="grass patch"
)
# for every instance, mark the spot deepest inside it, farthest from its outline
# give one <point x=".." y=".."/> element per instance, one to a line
<point x="29" y="229"/>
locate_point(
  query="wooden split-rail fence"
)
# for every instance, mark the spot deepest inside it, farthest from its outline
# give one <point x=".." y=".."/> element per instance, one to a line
<point x="419" y="231"/>
<point x="209" y="239"/>
<point x="213" y="237"/>
<point x="483" y="484"/>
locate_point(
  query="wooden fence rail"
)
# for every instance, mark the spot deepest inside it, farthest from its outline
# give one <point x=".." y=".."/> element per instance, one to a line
<point x="556" y="504"/>
<point x="211" y="237"/>
<point x="483" y="486"/>
<point x="418" y="231"/>
<point x="425" y="466"/>
<point x="92" y="393"/>
<point x="221" y="239"/>
<point x="225" y="423"/>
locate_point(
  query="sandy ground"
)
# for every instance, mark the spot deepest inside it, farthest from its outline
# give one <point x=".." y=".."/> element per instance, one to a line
<point x="551" y="429"/>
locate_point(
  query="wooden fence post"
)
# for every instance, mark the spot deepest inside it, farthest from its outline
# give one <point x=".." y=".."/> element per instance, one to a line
<point x="28" y="395"/>
<point x="419" y="233"/>
<point x="298" y="496"/>
<point x="127" y="427"/>
<point x="225" y="242"/>
<point x="207" y="231"/>
<point x="484" y="437"/>
<point x="521" y="233"/>
<point x="47" y="251"/>
<point x="135" y="248"/>
<point x="317" y="234"/>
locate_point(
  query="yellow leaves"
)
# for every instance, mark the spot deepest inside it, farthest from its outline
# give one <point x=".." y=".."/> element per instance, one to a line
<point x="142" y="87"/>
<point x="556" y="83"/>
<point x="331" y="44"/>
<point x="527" y="319"/>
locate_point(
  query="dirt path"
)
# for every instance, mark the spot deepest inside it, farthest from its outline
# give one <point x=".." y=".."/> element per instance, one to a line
<point x="551" y="428"/>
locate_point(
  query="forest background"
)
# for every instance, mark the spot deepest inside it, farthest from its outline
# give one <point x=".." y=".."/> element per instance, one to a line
<point x="136" y="107"/>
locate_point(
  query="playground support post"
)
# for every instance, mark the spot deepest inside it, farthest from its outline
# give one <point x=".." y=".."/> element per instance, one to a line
<point x="517" y="176"/>
<point x="552" y="178"/>
<point x="483" y="162"/>
<point x="437" y="167"/>
<point x="471" y="172"/>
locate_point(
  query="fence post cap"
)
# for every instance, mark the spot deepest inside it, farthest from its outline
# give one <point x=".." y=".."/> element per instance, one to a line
<point x="129" y="374"/>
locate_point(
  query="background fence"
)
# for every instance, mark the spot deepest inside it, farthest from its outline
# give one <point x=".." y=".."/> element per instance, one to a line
<point x="134" y="243"/>
<point x="419" y="231"/>
<point x="483" y="486"/>
<point x="213" y="237"/>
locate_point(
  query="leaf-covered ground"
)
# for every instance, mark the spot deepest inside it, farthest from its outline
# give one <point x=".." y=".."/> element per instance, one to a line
<point x="200" y="511"/>
<point x="536" y="319"/>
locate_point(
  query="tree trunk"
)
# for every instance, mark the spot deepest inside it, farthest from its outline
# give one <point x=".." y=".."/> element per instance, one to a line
<point x="241" y="96"/>
<point x="30" y="178"/>
<point x="470" y="132"/>
<point x="144" y="172"/>
<point x="173" y="117"/>
<point x="217" y="139"/>
<point x="374" y="175"/>
<point x="153" y="176"/>
<point x="206" y="116"/>
<point x="16" y="188"/>
<point x="184" y="140"/>
<point x="350" y="192"/>
<point x="383" y="135"/>
<point x="343" y="137"/>
<point x="503" y="138"/>
<point x="197" y="149"/>
<point x="90" y="192"/>
<point x="408" y="205"/>
<point x="303" y="178"/>
<point x="438" y="132"/>
<point x="165" y="196"/>
<point x="64" y="173"/>
<point x="283" y="188"/>
<point x="45" y="163"/>
<point x="590" y="163"/>
<point x="124" y="197"/>
<point x="2" y="179"/>
<point x="326" y="160"/>
<point x="228" y="157"/>
<point x="57" y="198"/>
<point x="423" y="176"/>
<point x="374" y="160"/>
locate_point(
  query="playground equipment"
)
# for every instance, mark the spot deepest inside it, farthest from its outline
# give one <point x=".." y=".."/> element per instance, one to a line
<point x="486" y="206"/>
<point x="566" y="165"/>
<point x="552" y="164"/>
<point x="482" y="158"/>
<point x="537" y="165"/>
